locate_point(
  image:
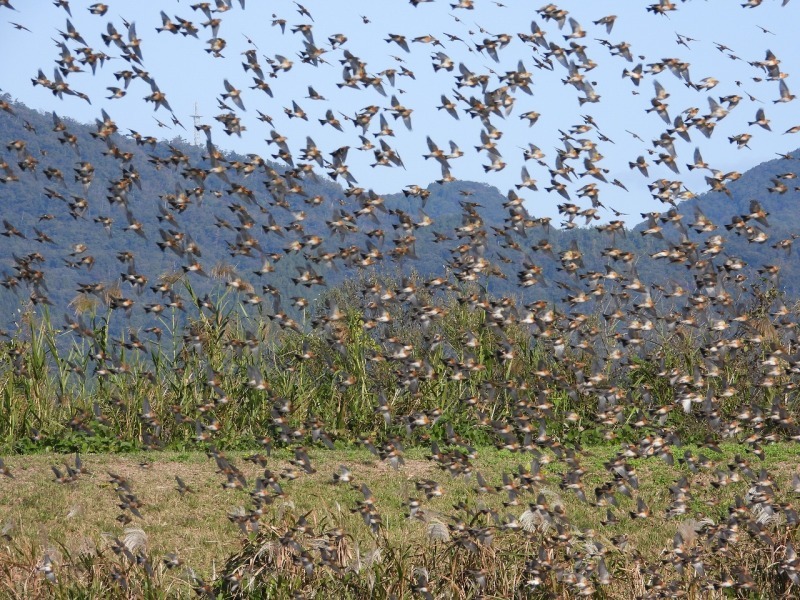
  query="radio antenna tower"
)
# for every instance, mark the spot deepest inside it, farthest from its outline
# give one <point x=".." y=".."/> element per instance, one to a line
<point x="196" y="120"/>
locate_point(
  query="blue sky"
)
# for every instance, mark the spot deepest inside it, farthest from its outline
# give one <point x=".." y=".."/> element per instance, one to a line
<point x="189" y="75"/>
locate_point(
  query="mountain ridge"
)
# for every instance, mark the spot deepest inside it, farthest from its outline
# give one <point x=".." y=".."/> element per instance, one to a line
<point x="219" y="210"/>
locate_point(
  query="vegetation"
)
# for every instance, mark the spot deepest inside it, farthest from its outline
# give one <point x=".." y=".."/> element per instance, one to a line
<point x="239" y="370"/>
<point x="250" y="388"/>
<point x="229" y="377"/>
<point x="92" y="555"/>
<point x="161" y="182"/>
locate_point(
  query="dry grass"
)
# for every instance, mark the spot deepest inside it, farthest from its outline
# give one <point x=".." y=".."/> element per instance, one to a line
<point x="79" y="515"/>
<point x="79" y="519"/>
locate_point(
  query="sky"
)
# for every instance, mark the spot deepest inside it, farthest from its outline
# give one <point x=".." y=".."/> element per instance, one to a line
<point x="192" y="79"/>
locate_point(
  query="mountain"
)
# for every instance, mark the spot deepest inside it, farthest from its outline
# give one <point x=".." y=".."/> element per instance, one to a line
<point x="243" y="213"/>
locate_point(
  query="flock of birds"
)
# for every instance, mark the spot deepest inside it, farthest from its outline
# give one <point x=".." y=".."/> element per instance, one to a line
<point x="711" y="301"/>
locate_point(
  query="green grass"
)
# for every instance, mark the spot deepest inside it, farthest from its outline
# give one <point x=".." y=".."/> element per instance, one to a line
<point x="228" y="378"/>
<point x="54" y="385"/>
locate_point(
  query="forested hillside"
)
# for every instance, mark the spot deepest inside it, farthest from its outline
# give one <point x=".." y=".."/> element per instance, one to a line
<point x="244" y="214"/>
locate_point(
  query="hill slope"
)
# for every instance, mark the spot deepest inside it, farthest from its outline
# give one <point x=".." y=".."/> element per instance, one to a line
<point x="249" y="213"/>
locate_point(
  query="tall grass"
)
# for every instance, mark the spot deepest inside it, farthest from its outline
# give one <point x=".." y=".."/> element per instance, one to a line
<point x="231" y="364"/>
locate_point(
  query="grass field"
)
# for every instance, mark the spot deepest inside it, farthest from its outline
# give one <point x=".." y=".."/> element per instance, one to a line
<point x="563" y="520"/>
<point x="75" y="523"/>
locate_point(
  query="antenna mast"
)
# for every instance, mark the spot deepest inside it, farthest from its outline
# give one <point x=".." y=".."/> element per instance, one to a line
<point x="196" y="121"/>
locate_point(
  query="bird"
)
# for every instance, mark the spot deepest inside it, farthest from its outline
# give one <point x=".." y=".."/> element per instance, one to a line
<point x="182" y="488"/>
<point x="290" y="328"/>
